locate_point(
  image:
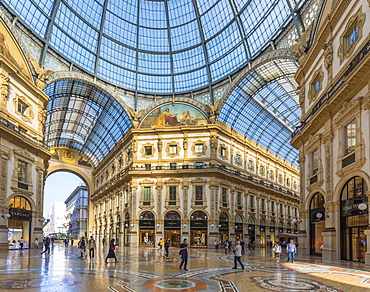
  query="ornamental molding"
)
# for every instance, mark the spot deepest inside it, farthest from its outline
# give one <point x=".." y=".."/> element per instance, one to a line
<point x="29" y="115"/>
<point x="199" y="180"/>
<point x="172" y="181"/>
<point x="146" y="181"/>
<point x="173" y="143"/>
<point x="142" y="150"/>
<point x="199" y="142"/>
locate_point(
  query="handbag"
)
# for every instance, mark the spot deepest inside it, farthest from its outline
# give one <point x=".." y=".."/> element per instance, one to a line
<point x="113" y="248"/>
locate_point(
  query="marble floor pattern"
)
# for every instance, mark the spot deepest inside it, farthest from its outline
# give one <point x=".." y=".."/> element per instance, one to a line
<point x="143" y="269"/>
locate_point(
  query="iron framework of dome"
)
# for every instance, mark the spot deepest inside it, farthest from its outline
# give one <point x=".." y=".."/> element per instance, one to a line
<point x="157" y="46"/>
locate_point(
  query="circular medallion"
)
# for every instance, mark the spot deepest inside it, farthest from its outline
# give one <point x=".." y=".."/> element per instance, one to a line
<point x="175" y="284"/>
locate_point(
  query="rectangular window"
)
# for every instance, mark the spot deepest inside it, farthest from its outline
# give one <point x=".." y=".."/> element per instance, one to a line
<point x="147" y="194"/>
<point x="148" y="166"/>
<point x="237" y="158"/>
<point x="148" y="150"/>
<point x="295" y="212"/>
<point x="199" y="148"/>
<point x="22" y="171"/>
<point x="352" y="37"/>
<point x="262" y="170"/>
<point x="173" y="149"/>
<point x="263" y="205"/>
<point x="224" y="195"/>
<point x="22" y="108"/>
<point x="223" y="151"/>
<point x="172" y="166"/>
<point x="273" y="207"/>
<point x="281" y="208"/>
<point x="289" y="211"/>
<point x="250" y="164"/>
<point x="252" y="202"/>
<point x="350" y="139"/>
<point x="316" y="85"/>
<point x="172" y="195"/>
<point x="239" y="199"/>
<point x="199" y="193"/>
<point x="314" y="162"/>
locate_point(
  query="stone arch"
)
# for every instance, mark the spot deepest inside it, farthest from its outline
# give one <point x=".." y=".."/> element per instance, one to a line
<point x="201" y="210"/>
<point x="151" y="211"/>
<point x="311" y="194"/>
<point x="168" y="211"/>
<point x="75" y="170"/>
<point x="338" y="188"/>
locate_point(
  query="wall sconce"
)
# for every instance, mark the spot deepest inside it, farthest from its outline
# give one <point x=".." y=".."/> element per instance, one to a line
<point x="296" y="221"/>
<point x="6" y="216"/>
<point x="319" y="216"/>
<point x="184" y="225"/>
<point x="212" y="225"/>
<point x="132" y="225"/>
<point x="236" y="227"/>
<point x="362" y="207"/>
<point x="157" y="225"/>
<point x="219" y="226"/>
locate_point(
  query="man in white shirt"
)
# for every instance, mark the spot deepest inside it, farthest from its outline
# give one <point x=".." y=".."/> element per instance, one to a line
<point x="21" y="243"/>
<point x="238" y="255"/>
<point x="291" y="249"/>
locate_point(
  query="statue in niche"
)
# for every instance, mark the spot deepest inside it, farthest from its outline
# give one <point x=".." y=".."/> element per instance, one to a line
<point x="4" y="85"/>
<point x="42" y="75"/>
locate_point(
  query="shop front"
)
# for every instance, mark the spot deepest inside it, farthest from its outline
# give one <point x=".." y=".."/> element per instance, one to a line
<point x="238" y="228"/>
<point x="223" y="227"/>
<point x="272" y="232"/>
<point x="354" y="220"/>
<point x="19" y="223"/>
<point x="172" y="228"/>
<point x="147" y="229"/>
<point x="198" y="229"/>
<point x="317" y="224"/>
<point x="251" y="230"/>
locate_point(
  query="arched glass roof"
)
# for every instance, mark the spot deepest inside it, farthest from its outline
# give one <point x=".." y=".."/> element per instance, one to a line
<point x="156" y="46"/>
<point x="85" y="118"/>
<point x="264" y="107"/>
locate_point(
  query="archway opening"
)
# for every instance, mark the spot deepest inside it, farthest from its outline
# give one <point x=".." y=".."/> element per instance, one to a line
<point x="65" y="206"/>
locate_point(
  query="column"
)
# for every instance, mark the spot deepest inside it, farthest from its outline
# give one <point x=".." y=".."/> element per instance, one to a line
<point x="303" y="239"/>
<point x="4" y="209"/>
<point x="331" y="240"/>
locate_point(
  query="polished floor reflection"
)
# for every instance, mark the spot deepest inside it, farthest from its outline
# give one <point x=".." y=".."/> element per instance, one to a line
<point x="143" y="269"/>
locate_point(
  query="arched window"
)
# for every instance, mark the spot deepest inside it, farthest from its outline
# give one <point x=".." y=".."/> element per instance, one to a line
<point x="198" y="215"/>
<point x="20" y="203"/>
<point x="147" y="215"/>
<point x="224" y="217"/>
<point x="251" y="221"/>
<point x="272" y="223"/>
<point x="238" y="219"/>
<point x="172" y="215"/>
<point x="317" y="201"/>
<point x="355" y="187"/>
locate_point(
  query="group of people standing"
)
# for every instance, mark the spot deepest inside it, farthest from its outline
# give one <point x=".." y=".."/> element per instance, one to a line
<point x="291" y="249"/>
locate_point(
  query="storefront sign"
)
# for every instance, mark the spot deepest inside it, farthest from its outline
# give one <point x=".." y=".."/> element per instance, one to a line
<point x="20" y="214"/>
<point x="198" y="224"/>
<point x="147" y="223"/>
<point x="224" y="225"/>
<point x="171" y="223"/>
<point x="350" y="207"/>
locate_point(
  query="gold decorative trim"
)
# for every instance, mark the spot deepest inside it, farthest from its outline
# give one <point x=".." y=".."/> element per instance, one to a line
<point x="142" y="150"/>
<point x="199" y="142"/>
<point x="28" y="117"/>
<point x="173" y="143"/>
<point x="356" y="20"/>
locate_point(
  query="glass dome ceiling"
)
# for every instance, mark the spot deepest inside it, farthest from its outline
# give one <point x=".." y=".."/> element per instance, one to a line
<point x="156" y="46"/>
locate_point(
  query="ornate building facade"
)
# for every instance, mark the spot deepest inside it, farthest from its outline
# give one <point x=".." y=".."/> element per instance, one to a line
<point x="334" y="137"/>
<point x="23" y="155"/>
<point x="205" y="183"/>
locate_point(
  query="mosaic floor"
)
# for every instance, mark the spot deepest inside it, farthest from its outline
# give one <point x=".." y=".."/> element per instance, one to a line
<point x="145" y="270"/>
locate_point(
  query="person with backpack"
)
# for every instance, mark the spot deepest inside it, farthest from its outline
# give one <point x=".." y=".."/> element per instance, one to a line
<point x="82" y="247"/>
<point x="184" y="254"/>
<point x="166" y="248"/>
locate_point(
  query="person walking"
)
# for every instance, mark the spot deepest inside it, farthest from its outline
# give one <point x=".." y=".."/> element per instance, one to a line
<point x="66" y="241"/>
<point x="184" y="254"/>
<point x="278" y="251"/>
<point x="72" y="240"/>
<point x="103" y="241"/>
<point x="160" y="244"/>
<point x="291" y="248"/>
<point x="111" y="252"/>
<point x="82" y="247"/>
<point x="36" y="243"/>
<point x="91" y="247"/>
<point x="21" y="243"/>
<point x="166" y="248"/>
<point x="46" y="246"/>
<point x="238" y="256"/>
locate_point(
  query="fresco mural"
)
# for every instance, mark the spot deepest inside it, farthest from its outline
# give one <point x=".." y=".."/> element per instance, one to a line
<point x="174" y="115"/>
<point x="10" y="50"/>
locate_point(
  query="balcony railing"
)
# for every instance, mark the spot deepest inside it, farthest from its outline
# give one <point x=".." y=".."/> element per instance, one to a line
<point x="333" y="90"/>
<point x="224" y="169"/>
<point x="22" y="133"/>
